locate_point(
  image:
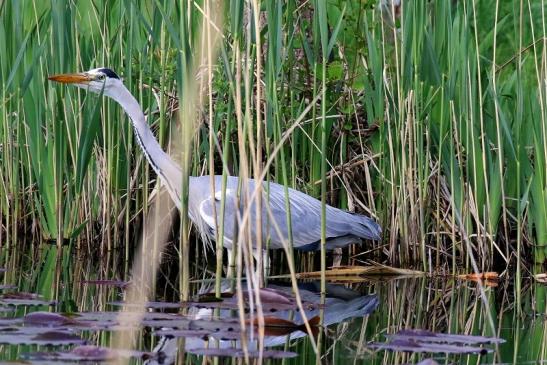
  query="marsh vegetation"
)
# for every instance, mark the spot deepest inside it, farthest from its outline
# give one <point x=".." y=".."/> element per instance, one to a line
<point x="428" y="116"/>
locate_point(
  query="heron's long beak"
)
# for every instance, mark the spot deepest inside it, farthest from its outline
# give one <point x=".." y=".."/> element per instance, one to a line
<point x="78" y="78"/>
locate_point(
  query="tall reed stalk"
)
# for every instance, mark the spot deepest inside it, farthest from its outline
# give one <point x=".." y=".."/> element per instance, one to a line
<point x="430" y="117"/>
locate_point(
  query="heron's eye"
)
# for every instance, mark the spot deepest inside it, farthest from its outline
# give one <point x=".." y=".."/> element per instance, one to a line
<point x="102" y="77"/>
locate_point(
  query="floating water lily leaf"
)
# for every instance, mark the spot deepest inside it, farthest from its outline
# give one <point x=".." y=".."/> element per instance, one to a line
<point x="123" y="320"/>
<point x="231" y="329"/>
<point x="39" y="336"/>
<point x="21" y="298"/>
<point x="228" y="336"/>
<point x="58" y="337"/>
<point x="267" y="354"/>
<point x="87" y="353"/>
<point x="93" y="352"/>
<point x="415" y="340"/>
<point x="183" y="333"/>
<point x="353" y="271"/>
<point x="115" y="283"/>
<point x="98" y="353"/>
<point x="429" y="336"/>
<point x="419" y="347"/>
<point x="30" y="331"/>
<point x="48" y="319"/>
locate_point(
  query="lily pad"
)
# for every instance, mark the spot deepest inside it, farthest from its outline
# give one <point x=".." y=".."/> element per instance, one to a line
<point x="26" y="299"/>
<point x="39" y="336"/>
<point x="182" y="333"/>
<point x="417" y="340"/>
<point x="418" y="347"/>
<point x="266" y="354"/>
<point x="430" y="336"/>
<point x="87" y="353"/>
<point x="48" y="319"/>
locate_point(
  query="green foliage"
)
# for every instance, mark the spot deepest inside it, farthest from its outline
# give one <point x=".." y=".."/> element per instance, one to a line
<point x="433" y="118"/>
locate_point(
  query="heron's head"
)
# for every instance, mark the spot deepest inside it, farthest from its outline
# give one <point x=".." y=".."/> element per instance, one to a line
<point x="96" y="80"/>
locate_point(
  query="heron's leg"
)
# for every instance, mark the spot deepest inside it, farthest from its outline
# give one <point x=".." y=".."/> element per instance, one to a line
<point x="230" y="270"/>
<point x="337" y="257"/>
<point x="265" y="263"/>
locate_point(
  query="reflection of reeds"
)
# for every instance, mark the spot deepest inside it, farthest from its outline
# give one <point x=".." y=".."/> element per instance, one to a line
<point x="432" y="134"/>
<point x="441" y="112"/>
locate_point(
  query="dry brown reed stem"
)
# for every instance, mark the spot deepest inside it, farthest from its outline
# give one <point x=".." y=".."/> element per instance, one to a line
<point x="145" y="265"/>
<point x="209" y="45"/>
<point x="258" y="160"/>
<point x="242" y="158"/>
<point x="245" y="217"/>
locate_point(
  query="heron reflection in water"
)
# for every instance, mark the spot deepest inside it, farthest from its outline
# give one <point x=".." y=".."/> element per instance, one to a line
<point x="341" y="304"/>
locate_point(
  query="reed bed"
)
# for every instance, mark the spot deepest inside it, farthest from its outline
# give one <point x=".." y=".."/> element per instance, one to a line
<point x="429" y="116"/>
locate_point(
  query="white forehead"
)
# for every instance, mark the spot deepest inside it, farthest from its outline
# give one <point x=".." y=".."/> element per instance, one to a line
<point x="104" y="71"/>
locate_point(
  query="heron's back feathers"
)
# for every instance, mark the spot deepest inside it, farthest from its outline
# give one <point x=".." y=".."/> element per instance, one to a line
<point x="342" y="228"/>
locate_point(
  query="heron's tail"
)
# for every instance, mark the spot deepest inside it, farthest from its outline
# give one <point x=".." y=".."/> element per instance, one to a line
<point x="366" y="228"/>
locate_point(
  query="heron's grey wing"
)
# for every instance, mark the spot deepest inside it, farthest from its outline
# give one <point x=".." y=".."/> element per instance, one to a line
<point x="305" y="217"/>
<point x="305" y="213"/>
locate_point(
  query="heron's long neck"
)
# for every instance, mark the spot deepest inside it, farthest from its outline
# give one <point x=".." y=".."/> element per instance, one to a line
<point x="161" y="162"/>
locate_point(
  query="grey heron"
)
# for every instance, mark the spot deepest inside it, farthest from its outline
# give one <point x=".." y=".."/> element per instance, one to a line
<point x="342" y="227"/>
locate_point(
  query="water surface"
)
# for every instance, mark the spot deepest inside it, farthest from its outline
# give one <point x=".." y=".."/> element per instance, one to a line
<point x="357" y="313"/>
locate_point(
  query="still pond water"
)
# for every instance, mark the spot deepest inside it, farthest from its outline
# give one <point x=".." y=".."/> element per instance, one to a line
<point x="55" y="308"/>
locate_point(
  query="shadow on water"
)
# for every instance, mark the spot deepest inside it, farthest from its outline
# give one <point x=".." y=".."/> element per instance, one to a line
<point x="54" y="307"/>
